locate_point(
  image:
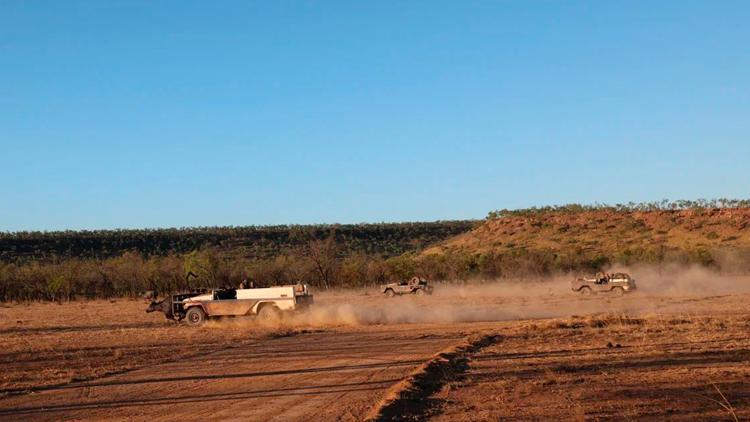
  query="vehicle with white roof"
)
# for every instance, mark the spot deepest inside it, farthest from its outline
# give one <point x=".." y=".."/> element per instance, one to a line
<point x="267" y="304"/>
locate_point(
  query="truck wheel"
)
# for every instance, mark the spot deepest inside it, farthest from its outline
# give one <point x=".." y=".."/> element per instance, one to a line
<point x="195" y="316"/>
<point x="269" y="315"/>
<point x="585" y="291"/>
<point x="618" y="291"/>
<point x="419" y="292"/>
<point x="390" y="293"/>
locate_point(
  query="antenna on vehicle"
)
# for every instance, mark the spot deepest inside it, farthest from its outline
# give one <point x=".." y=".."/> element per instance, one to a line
<point x="187" y="278"/>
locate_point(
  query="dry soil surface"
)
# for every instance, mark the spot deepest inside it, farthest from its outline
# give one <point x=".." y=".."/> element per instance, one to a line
<point x="676" y="355"/>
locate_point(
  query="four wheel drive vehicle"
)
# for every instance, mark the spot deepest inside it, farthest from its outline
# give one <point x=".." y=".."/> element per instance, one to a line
<point x="617" y="283"/>
<point x="265" y="303"/>
<point x="416" y="285"/>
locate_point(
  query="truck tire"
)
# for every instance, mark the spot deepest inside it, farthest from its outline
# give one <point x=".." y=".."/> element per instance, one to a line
<point x="390" y="293"/>
<point x="419" y="292"/>
<point x="195" y="316"/>
<point x="585" y="291"/>
<point x="618" y="291"/>
<point x="269" y="315"/>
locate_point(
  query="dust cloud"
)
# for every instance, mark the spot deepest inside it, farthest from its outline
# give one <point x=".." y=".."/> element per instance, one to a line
<point x="675" y="280"/>
<point x="663" y="290"/>
<point x="667" y="289"/>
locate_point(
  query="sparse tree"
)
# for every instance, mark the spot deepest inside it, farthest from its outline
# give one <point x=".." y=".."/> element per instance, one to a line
<point x="323" y="254"/>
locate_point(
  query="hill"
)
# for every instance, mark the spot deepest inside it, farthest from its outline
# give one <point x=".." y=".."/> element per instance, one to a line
<point x="528" y="243"/>
<point x="608" y="235"/>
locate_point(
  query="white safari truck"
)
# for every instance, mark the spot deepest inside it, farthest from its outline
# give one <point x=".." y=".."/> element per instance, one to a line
<point x="267" y="304"/>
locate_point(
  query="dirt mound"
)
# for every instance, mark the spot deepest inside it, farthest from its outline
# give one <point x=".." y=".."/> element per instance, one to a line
<point x="407" y="400"/>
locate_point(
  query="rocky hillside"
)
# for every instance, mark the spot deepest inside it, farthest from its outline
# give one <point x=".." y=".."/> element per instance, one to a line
<point x="614" y="235"/>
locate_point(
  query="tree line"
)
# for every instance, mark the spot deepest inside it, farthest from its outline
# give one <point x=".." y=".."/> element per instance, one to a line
<point x="319" y="263"/>
<point x="254" y="242"/>
<point x="663" y="205"/>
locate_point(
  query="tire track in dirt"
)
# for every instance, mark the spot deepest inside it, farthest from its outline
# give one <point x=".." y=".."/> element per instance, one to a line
<point x="202" y="351"/>
<point x="273" y="379"/>
<point x="408" y="400"/>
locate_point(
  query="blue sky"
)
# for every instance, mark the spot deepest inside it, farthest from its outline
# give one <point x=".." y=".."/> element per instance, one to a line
<point x="176" y="113"/>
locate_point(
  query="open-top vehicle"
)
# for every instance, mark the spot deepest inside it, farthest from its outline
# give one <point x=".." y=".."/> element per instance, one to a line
<point x="617" y="283"/>
<point x="267" y="304"/>
<point x="416" y="285"/>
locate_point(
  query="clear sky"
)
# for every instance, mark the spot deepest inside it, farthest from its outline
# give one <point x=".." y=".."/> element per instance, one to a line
<point x="177" y="113"/>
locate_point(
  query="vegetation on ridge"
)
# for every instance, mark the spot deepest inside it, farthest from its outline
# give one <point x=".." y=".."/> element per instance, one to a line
<point x="535" y="242"/>
<point x="663" y="205"/>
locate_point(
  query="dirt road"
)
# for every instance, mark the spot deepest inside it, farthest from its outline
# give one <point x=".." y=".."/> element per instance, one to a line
<point x="317" y="376"/>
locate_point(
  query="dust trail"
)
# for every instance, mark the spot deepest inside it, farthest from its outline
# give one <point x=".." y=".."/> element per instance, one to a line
<point x="665" y="290"/>
<point x="675" y="280"/>
<point x="668" y="289"/>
